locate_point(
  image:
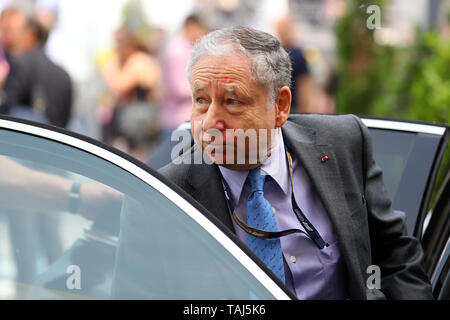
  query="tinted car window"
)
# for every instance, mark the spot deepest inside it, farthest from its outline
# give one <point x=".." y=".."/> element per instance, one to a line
<point x="406" y="159"/>
<point x="132" y="242"/>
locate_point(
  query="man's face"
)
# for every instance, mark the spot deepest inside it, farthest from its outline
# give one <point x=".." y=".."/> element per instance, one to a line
<point x="11" y="30"/>
<point x="225" y="97"/>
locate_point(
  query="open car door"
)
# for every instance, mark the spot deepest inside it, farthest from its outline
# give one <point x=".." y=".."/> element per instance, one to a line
<point x="410" y="155"/>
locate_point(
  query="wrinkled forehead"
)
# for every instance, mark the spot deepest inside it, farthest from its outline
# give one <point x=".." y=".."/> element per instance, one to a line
<point x="224" y="70"/>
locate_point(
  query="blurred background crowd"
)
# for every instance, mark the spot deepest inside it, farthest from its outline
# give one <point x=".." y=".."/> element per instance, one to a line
<point x="115" y="70"/>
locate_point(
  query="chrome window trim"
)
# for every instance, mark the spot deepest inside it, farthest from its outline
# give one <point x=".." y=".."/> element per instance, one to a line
<point x="441" y="257"/>
<point x="183" y="204"/>
<point x="379" y="124"/>
<point x="403" y="126"/>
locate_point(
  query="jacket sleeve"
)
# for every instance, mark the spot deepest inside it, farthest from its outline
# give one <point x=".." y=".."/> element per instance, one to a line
<point x="399" y="256"/>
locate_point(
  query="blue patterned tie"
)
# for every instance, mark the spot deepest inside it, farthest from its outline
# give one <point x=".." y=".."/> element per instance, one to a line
<point x="261" y="216"/>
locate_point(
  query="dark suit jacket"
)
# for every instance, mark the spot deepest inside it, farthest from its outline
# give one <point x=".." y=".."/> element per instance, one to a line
<point x="35" y="79"/>
<point x="352" y="191"/>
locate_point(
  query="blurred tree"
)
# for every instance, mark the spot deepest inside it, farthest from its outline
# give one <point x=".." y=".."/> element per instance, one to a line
<point x="430" y="85"/>
<point x="359" y="76"/>
<point x="428" y="89"/>
<point x="409" y="82"/>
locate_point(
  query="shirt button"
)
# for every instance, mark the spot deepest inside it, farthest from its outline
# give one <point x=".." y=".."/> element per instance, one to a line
<point x="293" y="259"/>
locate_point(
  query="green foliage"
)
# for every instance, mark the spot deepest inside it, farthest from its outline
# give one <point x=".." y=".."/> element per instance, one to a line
<point x="411" y="82"/>
<point x="430" y="88"/>
<point x="359" y="78"/>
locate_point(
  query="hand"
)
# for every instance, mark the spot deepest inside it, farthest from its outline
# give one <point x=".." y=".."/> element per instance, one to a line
<point x="96" y="198"/>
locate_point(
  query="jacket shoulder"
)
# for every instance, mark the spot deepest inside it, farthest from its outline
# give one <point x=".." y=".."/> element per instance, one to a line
<point x="175" y="173"/>
<point x="330" y="121"/>
<point x="332" y="127"/>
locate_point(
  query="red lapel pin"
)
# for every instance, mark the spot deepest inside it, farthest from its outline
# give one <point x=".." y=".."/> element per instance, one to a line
<point x="324" y="159"/>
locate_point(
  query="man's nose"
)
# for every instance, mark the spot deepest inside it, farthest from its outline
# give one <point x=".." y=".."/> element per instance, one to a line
<point x="215" y="117"/>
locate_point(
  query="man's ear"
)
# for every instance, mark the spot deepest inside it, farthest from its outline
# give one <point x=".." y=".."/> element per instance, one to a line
<point x="283" y="105"/>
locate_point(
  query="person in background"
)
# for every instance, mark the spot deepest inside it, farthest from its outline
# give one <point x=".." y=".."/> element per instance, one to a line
<point x="10" y="20"/>
<point x="177" y="103"/>
<point x="34" y="89"/>
<point x="302" y="86"/>
<point x="39" y="89"/>
<point x="47" y="15"/>
<point x="134" y="78"/>
<point x="4" y="71"/>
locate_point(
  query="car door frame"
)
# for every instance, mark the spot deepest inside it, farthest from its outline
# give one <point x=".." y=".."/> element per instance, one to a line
<point x="436" y="239"/>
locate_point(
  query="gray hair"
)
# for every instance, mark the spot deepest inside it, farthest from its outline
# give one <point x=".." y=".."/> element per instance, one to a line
<point x="271" y="65"/>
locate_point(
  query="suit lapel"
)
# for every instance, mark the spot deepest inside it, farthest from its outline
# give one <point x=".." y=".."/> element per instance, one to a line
<point x="327" y="180"/>
<point x="207" y="189"/>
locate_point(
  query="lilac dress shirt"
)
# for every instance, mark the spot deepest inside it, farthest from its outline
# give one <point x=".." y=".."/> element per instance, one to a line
<point x="310" y="273"/>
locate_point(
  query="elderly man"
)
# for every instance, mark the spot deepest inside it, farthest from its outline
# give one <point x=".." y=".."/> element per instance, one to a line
<point x="310" y="203"/>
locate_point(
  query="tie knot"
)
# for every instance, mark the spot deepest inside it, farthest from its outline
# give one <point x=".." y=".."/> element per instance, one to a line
<point x="257" y="178"/>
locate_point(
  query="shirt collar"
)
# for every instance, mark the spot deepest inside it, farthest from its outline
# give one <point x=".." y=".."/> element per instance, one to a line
<point x="275" y="166"/>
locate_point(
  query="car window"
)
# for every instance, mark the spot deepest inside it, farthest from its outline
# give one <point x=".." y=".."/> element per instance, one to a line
<point x="407" y="160"/>
<point x="130" y="240"/>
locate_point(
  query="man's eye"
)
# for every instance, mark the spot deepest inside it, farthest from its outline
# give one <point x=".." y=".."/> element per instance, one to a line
<point x="233" y="101"/>
<point x="200" y="100"/>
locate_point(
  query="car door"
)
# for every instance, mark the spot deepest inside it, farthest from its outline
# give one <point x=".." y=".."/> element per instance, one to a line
<point x="80" y="220"/>
<point x="410" y="155"/>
